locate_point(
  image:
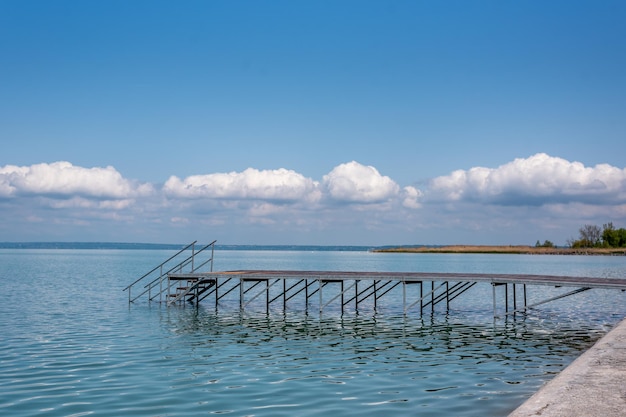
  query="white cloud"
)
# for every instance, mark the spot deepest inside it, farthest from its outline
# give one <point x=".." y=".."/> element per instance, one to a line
<point x="62" y="179"/>
<point x="411" y="197"/>
<point x="537" y="180"/>
<point x="356" y="183"/>
<point x="275" y="185"/>
<point x="349" y="182"/>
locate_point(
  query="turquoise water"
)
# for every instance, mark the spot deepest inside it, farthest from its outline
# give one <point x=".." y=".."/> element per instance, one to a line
<point x="71" y="346"/>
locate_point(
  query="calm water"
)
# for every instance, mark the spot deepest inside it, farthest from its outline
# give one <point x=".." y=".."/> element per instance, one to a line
<point x="71" y="346"/>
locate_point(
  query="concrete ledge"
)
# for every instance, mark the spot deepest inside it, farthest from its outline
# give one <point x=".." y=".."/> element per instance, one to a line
<point x="593" y="385"/>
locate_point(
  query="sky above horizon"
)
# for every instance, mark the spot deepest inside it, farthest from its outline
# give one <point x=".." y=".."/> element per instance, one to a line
<point x="282" y="122"/>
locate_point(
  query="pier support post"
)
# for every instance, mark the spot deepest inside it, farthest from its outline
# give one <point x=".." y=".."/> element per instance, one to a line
<point x="375" y="297"/>
<point x="241" y="292"/>
<point x="506" y="298"/>
<point x="342" y="301"/>
<point x="161" y="284"/>
<point x="493" y="291"/>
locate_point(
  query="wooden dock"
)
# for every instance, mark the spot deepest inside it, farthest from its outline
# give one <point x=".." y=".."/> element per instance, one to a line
<point x="319" y="289"/>
<point x="358" y="286"/>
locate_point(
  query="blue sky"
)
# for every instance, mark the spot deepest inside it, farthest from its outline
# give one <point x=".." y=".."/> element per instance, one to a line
<point x="327" y="122"/>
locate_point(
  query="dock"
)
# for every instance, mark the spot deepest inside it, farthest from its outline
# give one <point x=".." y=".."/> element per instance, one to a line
<point x="188" y="281"/>
<point x="354" y="287"/>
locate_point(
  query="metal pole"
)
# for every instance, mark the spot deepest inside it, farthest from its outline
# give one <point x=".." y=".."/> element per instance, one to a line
<point x="404" y="296"/>
<point x="267" y="296"/>
<point x="241" y="293"/>
<point x="193" y="255"/>
<point x="160" y="285"/>
<point x="506" y="296"/>
<point x="375" y="297"/>
<point x="342" y="290"/>
<point x="493" y="288"/>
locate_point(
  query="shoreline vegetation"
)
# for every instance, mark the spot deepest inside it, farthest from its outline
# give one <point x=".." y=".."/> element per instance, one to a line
<point x="592" y="240"/>
<point x="503" y="249"/>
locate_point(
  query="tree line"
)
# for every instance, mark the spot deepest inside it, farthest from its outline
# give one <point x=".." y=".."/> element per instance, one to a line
<point x="592" y="236"/>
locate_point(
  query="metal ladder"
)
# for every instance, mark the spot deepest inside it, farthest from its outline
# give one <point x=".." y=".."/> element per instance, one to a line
<point x="156" y="283"/>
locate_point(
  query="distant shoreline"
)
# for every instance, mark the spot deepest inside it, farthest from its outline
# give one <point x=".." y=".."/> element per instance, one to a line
<point x="469" y="249"/>
<point x="173" y="246"/>
<point x="512" y="249"/>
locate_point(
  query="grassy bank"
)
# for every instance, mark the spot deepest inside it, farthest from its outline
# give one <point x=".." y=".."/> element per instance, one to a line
<point x="525" y="250"/>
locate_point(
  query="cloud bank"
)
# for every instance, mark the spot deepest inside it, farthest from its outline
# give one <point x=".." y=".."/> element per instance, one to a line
<point x="272" y="185"/>
<point x="64" y="180"/>
<point x="538" y="180"/>
<point x="351" y="196"/>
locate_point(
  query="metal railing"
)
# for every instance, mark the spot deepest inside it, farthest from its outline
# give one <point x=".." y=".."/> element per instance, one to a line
<point x="162" y="270"/>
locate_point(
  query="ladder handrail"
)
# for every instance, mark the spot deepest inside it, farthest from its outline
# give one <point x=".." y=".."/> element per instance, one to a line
<point x="162" y="275"/>
<point x="180" y="265"/>
<point x="148" y="287"/>
<point x="161" y="264"/>
<point x="183" y="263"/>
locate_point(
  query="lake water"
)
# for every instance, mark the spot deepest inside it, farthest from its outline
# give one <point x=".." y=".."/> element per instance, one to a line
<point x="70" y="344"/>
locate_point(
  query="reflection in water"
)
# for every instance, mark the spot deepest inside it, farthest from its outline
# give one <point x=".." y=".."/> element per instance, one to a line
<point x="448" y="331"/>
<point x="438" y="361"/>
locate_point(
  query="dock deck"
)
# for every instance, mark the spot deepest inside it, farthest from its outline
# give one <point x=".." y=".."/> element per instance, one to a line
<point x="555" y="280"/>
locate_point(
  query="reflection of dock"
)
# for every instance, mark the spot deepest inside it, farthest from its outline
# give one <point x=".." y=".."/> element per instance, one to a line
<point x="319" y="289"/>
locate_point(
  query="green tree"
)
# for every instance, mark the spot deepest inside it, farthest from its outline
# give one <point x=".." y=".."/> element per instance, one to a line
<point x="590" y="236"/>
<point x="621" y="232"/>
<point x="610" y="236"/>
<point x="545" y="244"/>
